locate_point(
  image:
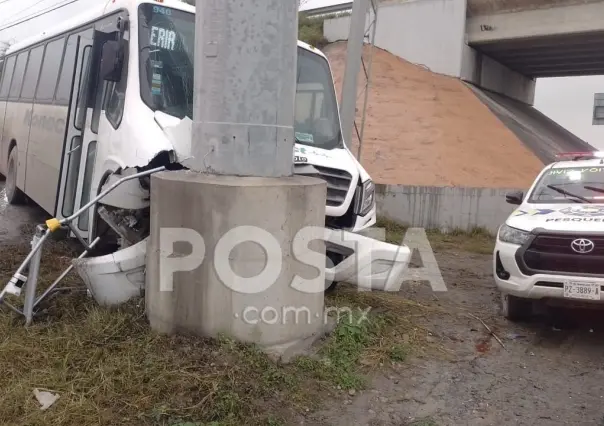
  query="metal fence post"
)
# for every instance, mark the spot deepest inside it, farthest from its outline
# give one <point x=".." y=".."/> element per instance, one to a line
<point x="32" y="278"/>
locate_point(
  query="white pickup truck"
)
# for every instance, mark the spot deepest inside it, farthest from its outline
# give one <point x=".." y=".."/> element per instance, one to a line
<point x="552" y="245"/>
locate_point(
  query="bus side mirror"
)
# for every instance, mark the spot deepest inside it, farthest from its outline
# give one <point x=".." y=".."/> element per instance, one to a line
<point x="514" y="198"/>
<point x="112" y="61"/>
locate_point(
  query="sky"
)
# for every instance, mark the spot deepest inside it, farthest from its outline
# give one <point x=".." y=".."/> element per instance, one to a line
<point x="12" y="11"/>
<point x="312" y="4"/>
<point x="568" y="101"/>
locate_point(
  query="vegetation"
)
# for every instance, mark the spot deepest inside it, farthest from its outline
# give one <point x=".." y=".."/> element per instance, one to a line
<point x="478" y="240"/>
<point x="109" y="368"/>
<point x="310" y="29"/>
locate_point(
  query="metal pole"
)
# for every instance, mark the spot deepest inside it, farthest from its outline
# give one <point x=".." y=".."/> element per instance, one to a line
<point x="356" y="38"/>
<point x="107" y="191"/>
<point x="17" y="275"/>
<point x="32" y="278"/>
<point x="245" y="78"/>
<point x="65" y="272"/>
<point x="368" y="77"/>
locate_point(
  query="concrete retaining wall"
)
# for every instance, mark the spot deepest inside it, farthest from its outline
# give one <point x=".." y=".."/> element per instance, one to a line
<point x="336" y="29"/>
<point x="444" y="208"/>
<point x="426" y="32"/>
<point x="489" y="74"/>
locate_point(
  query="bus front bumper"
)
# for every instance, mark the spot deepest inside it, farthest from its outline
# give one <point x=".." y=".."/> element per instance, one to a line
<point x="367" y="263"/>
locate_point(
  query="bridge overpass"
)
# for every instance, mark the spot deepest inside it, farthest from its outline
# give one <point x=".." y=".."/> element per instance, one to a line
<point x="552" y="38"/>
<point x="498" y="45"/>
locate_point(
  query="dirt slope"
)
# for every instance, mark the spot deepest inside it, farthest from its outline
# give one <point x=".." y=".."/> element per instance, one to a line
<point x="428" y="129"/>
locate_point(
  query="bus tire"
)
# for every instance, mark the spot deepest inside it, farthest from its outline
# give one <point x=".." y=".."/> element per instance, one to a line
<point x="13" y="194"/>
<point x="331" y="288"/>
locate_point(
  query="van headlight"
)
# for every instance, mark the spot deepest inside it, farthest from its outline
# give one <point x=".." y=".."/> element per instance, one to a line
<point x="507" y="234"/>
<point x="368" y="197"/>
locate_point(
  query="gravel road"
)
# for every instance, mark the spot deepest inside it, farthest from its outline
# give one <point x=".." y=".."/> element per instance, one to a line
<point x="551" y="371"/>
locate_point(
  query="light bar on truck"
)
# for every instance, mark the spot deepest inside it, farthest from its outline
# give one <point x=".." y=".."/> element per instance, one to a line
<point x="573" y="156"/>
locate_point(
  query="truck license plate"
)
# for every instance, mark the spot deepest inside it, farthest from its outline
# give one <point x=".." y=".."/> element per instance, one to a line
<point x="582" y="290"/>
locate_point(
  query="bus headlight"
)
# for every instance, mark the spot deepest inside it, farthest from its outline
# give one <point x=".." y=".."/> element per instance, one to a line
<point x="368" y="197"/>
<point x="510" y="235"/>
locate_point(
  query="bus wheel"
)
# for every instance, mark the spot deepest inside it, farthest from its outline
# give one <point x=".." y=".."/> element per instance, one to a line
<point x="331" y="288"/>
<point x="13" y="194"/>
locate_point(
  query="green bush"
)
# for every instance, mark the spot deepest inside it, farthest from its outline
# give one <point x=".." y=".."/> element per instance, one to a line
<point x="310" y="30"/>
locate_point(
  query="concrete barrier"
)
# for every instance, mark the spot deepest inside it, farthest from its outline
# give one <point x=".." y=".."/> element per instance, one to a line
<point x="444" y="208"/>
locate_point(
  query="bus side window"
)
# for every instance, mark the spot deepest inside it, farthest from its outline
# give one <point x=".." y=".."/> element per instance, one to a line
<point x="8" y="74"/>
<point x="63" y="95"/>
<point x="15" y="87"/>
<point x="50" y="70"/>
<point x="32" y="73"/>
<point x="80" y="116"/>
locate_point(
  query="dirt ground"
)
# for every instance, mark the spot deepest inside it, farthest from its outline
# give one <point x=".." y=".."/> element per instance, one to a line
<point x="428" y="129"/>
<point x="550" y="372"/>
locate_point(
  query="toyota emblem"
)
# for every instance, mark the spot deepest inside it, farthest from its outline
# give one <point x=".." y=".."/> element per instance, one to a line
<point x="583" y="246"/>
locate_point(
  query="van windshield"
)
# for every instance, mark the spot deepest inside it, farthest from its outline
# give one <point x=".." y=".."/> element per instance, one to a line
<point x="166" y="46"/>
<point x="570" y="185"/>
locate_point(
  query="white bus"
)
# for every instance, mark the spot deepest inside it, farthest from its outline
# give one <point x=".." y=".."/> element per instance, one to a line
<point x="94" y="100"/>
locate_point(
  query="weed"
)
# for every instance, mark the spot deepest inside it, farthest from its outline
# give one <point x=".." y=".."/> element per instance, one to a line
<point x="310" y="28"/>
<point x="399" y="352"/>
<point x="477" y="240"/>
<point x="109" y="368"/>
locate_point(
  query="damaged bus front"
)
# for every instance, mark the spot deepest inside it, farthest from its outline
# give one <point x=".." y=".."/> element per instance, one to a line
<point x="130" y="110"/>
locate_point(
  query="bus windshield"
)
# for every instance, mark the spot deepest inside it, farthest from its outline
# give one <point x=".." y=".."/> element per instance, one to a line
<point x="166" y="48"/>
<point x="570" y="185"/>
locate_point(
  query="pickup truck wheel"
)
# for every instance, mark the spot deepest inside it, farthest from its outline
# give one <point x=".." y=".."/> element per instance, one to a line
<point x="516" y="308"/>
<point x="13" y="194"/>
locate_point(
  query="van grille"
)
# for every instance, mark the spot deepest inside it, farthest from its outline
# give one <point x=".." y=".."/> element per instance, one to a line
<point x="338" y="181"/>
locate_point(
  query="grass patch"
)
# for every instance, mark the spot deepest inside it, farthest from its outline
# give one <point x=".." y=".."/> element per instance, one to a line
<point x="310" y="30"/>
<point x="109" y="368"/>
<point x="478" y="240"/>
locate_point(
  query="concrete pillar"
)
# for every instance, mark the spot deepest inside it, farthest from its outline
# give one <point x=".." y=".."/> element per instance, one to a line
<point x="245" y="87"/>
<point x="205" y="300"/>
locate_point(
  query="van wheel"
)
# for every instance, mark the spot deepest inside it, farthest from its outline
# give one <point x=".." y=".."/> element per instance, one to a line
<point x="516" y="308"/>
<point x="335" y="259"/>
<point x="14" y="195"/>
